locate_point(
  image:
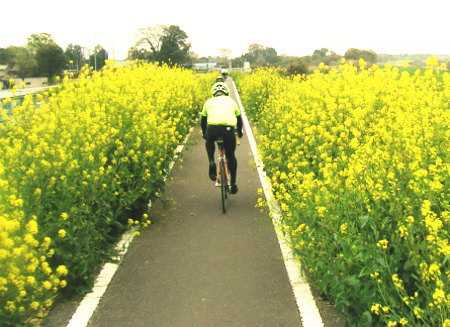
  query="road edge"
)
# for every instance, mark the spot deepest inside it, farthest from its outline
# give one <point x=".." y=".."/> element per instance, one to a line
<point x="307" y="307"/>
<point x="87" y="306"/>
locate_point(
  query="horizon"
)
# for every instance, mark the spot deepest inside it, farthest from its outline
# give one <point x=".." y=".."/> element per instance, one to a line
<point x="290" y="27"/>
<point x="217" y="55"/>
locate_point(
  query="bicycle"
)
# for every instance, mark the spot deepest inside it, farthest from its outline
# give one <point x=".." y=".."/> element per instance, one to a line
<point x="223" y="174"/>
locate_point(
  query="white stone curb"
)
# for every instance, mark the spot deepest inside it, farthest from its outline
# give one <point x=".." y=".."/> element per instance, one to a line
<point x="91" y="300"/>
<point x="309" y="313"/>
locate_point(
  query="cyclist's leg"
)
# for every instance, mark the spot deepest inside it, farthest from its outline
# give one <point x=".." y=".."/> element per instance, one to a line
<point x="230" y="147"/>
<point x="210" y="148"/>
<point x="211" y="137"/>
<point x="213" y="132"/>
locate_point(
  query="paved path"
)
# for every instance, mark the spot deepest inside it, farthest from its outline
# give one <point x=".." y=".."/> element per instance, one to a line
<point x="195" y="266"/>
<point x="198" y="267"/>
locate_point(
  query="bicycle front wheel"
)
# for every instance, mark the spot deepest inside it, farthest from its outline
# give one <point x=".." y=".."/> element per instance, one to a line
<point x="223" y="184"/>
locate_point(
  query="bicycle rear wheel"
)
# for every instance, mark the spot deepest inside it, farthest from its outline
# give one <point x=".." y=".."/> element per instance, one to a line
<point x="223" y="184"/>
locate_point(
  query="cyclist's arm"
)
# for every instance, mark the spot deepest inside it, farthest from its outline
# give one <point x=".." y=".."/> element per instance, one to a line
<point x="239" y="126"/>
<point x="204" y="119"/>
<point x="203" y="124"/>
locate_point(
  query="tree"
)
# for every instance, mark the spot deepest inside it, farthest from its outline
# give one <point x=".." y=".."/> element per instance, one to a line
<point x="356" y="54"/>
<point x="148" y="44"/>
<point x="7" y="55"/>
<point x="98" y="58"/>
<point x="332" y="58"/>
<point x="51" y="60"/>
<point x="324" y="55"/>
<point x="255" y="47"/>
<point x="237" y="62"/>
<point x="174" y="48"/>
<point x="74" y="54"/>
<point x="319" y="55"/>
<point x="140" y="54"/>
<point x="163" y="44"/>
<point x="298" y="67"/>
<point x="19" y="61"/>
<point x="35" y="41"/>
<point x="25" y="64"/>
<point x="259" y="55"/>
<point x="3" y="56"/>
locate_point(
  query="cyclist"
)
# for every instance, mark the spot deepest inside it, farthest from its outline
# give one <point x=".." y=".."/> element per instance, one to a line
<point x="221" y="118"/>
<point x="224" y="73"/>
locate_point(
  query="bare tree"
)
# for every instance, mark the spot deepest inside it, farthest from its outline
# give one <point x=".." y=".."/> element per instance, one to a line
<point x="149" y="38"/>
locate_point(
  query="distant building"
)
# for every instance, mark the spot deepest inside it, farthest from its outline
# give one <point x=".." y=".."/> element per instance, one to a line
<point x="247" y="68"/>
<point x="7" y="75"/>
<point x="31" y="82"/>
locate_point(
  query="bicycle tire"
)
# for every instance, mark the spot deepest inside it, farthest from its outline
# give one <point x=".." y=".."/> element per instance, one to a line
<point x="225" y="169"/>
<point x="223" y="185"/>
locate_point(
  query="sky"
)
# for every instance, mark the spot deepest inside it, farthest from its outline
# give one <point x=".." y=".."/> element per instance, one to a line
<point x="291" y="27"/>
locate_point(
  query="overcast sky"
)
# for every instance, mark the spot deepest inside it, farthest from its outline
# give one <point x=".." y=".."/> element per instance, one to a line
<point x="292" y="27"/>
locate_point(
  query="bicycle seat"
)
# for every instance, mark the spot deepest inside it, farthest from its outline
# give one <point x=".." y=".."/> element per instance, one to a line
<point x="220" y="144"/>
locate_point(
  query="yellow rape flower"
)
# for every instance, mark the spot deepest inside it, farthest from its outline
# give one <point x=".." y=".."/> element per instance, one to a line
<point x="32" y="226"/>
<point x="397" y="281"/>
<point x="47" y="285"/>
<point x="403" y="231"/>
<point x="439" y="296"/>
<point x="383" y="244"/>
<point x="376" y="308"/>
<point x="35" y="305"/>
<point x="62" y="270"/>
<point x="432" y="61"/>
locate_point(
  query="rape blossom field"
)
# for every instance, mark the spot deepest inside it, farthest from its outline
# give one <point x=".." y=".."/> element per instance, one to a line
<point x="358" y="157"/>
<point x="360" y="164"/>
<point x="79" y="170"/>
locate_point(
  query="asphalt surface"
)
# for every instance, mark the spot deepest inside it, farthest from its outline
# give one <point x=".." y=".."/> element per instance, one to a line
<point x="195" y="266"/>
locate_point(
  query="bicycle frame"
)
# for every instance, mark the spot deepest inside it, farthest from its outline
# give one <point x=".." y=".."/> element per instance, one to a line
<point x="222" y="158"/>
<point x="223" y="174"/>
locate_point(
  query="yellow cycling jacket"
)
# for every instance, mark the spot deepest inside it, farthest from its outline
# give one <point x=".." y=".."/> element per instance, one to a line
<point x="221" y="110"/>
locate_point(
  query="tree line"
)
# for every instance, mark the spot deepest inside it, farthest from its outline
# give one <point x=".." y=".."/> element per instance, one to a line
<point x="42" y="57"/>
<point x="261" y="56"/>
<point x="169" y="44"/>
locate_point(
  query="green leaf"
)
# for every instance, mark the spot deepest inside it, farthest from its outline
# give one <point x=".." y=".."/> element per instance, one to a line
<point x="366" y="319"/>
<point x="352" y="281"/>
<point x="408" y="264"/>
<point x="363" y="220"/>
